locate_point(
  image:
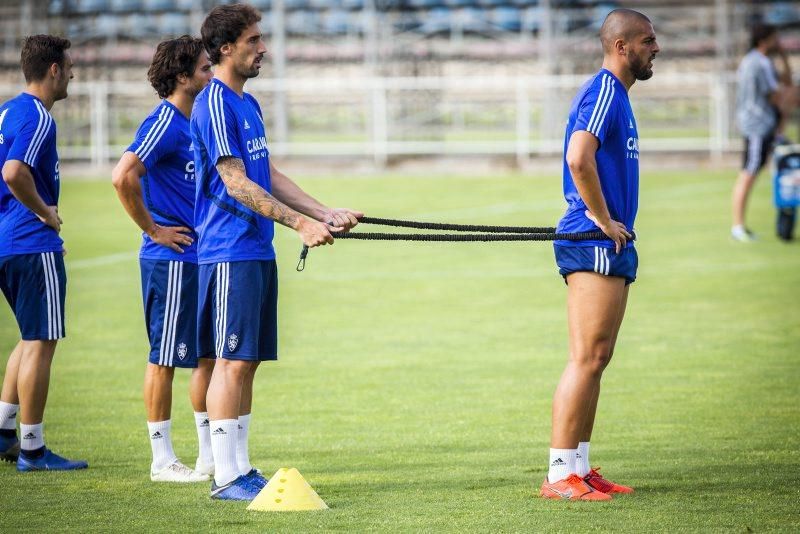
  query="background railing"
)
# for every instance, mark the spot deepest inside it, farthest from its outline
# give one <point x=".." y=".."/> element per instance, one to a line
<point x="383" y="118"/>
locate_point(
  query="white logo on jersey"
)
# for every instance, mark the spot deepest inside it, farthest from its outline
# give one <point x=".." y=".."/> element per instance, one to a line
<point x="182" y="350"/>
<point x="2" y="117"/>
<point x="189" y="174"/>
<point x="633" y="148"/>
<point x="259" y="143"/>
<point x="233" y="341"/>
<point x="630" y="123"/>
<point x="57" y="175"/>
<point x="246" y="126"/>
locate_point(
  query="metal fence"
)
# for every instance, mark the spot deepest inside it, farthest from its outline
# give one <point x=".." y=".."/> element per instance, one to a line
<point x="386" y="118"/>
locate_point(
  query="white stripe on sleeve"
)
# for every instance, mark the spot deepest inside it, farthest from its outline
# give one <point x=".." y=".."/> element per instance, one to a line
<point x="599" y="103"/>
<point x="155" y="134"/>
<point x="609" y="100"/>
<point x="214" y="112"/>
<point x="42" y="129"/>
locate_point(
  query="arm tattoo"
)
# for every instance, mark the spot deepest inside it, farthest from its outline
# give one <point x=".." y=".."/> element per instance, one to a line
<point x="249" y="193"/>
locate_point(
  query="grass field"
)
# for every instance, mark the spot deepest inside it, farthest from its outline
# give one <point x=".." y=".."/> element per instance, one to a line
<point x="414" y="385"/>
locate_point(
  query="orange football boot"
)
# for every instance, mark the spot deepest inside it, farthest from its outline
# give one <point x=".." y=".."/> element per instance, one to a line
<point x="572" y="488"/>
<point x="596" y="481"/>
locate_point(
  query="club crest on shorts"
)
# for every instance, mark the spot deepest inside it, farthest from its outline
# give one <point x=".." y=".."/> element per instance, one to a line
<point x="233" y="342"/>
<point x="182" y="350"/>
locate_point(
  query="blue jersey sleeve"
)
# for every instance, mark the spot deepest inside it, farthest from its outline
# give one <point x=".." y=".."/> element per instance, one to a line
<point x="217" y="127"/>
<point x="596" y="110"/>
<point x="29" y="139"/>
<point x="153" y="140"/>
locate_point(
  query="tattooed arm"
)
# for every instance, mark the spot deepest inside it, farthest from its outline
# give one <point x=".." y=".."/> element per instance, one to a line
<point x="250" y="194"/>
<point x="291" y="194"/>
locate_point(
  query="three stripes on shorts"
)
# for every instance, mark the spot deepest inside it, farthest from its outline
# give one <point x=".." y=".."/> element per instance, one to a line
<point x="601" y="261"/>
<point x="55" y="317"/>
<point x="223" y="285"/>
<point x="172" y="309"/>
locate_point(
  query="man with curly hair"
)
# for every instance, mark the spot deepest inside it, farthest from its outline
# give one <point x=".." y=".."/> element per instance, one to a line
<point x="155" y="183"/>
<point x="240" y="196"/>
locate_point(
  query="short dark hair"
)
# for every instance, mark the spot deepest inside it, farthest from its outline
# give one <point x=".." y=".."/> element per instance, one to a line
<point x="39" y="52"/>
<point x="172" y="58"/>
<point x="224" y="24"/>
<point x="760" y="32"/>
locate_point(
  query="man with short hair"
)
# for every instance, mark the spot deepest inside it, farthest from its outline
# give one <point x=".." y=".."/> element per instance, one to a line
<point x="155" y="183"/>
<point x="32" y="274"/>
<point x="601" y="187"/>
<point x="240" y="194"/>
<point x="760" y="98"/>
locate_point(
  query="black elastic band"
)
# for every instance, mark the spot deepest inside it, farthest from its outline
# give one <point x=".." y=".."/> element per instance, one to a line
<point x="552" y="236"/>
<point x="487" y="233"/>
<point x="457" y="227"/>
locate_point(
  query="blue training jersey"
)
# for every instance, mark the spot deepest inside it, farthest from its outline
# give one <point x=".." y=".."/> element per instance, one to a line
<point x="226" y="124"/>
<point x="163" y="145"/>
<point x="28" y="134"/>
<point x="603" y="109"/>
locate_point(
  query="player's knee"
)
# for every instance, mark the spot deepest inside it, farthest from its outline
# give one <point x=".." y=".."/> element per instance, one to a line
<point x="237" y="369"/>
<point x="161" y="371"/>
<point x="597" y="358"/>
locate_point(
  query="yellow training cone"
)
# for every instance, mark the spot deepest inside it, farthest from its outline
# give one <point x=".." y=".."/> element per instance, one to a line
<point x="287" y="491"/>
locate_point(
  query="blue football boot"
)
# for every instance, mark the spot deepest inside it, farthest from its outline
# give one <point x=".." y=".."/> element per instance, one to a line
<point x="9" y="448"/>
<point x="255" y="478"/>
<point x="49" y="461"/>
<point x="237" y="490"/>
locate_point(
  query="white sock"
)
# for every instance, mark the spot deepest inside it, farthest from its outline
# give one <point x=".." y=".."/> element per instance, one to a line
<point x="223" y="445"/>
<point x="242" y="454"/>
<point x="161" y="443"/>
<point x="32" y="436"/>
<point x="582" y="459"/>
<point x="8" y="416"/>
<point x="562" y="464"/>
<point x="203" y="438"/>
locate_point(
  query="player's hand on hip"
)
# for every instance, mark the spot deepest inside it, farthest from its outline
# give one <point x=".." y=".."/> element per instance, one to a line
<point x="52" y="219"/>
<point x="315" y="233"/>
<point x="343" y="217"/>
<point x="173" y="237"/>
<point x="615" y="231"/>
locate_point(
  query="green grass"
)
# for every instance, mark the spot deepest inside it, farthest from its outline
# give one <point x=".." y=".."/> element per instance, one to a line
<point x="414" y="385"/>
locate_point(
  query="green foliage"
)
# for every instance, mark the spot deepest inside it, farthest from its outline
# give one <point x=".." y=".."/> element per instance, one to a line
<point x="414" y="385"/>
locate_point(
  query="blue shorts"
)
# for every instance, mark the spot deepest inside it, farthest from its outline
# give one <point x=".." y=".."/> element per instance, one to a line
<point x="599" y="260"/>
<point x="35" y="285"/>
<point x="169" y="293"/>
<point x="238" y="310"/>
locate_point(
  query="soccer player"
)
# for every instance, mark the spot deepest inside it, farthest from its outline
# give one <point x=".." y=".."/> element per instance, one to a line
<point x="155" y="183"/>
<point x="32" y="274"/>
<point x="601" y="186"/>
<point x="759" y="100"/>
<point x="240" y="194"/>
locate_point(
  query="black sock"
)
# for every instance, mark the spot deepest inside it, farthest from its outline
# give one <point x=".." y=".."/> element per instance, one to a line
<point x="8" y="432"/>
<point x="33" y="454"/>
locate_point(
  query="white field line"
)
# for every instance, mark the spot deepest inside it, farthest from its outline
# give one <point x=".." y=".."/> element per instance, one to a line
<point x="100" y="261"/>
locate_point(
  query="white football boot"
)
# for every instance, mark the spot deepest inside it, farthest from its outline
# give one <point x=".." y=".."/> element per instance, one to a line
<point x="177" y="472"/>
<point x="204" y="469"/>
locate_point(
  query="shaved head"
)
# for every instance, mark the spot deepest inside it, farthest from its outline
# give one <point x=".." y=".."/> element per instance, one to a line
<point x="629" y="45"/>
<point x="622" y="24"/>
